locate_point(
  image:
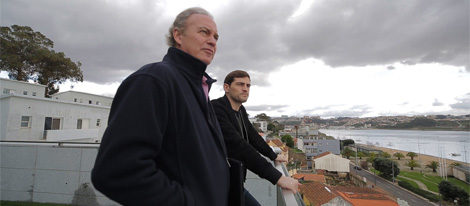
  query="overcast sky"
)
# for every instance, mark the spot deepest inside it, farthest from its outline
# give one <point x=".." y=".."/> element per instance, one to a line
<point x="306" y="57"/>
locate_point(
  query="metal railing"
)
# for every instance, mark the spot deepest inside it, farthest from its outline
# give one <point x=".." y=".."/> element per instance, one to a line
<point x="286" y="197"/>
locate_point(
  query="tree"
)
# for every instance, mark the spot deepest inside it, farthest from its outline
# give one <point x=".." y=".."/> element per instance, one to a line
<point x="29" y="55"/>
<point x="451" y="192"/>
<point x="348" y="152"/>
<point x="398" y="155"/>
<point x="412" y="164"/>
<point x="371" y="158"/>
<point x="433" y="165"/>
<point x="385" y="167"/>
<point x="272" y="127"/>
<point x="385" y="155"/>
<point x="411" y="155"/>
<point x="347" y="142"/>
<point x="263" y="117"/>
<point x="288" y="140"/>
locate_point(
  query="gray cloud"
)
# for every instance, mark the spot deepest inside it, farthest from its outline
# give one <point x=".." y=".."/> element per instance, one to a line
<point x="437" y="103"/>
<point x="332" y="111"/>
<point x="110" y="41"/>
<point x="265" y="107"/>
<point x="463" y="103"/>
<point x="257" y="36"/>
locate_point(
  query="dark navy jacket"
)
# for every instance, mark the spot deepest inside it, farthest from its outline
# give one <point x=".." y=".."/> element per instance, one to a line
<point x="163" y="145"/>
<point x="245" y="150"/>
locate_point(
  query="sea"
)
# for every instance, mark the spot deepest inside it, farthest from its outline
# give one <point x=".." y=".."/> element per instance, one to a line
<point x="453" y="145"/>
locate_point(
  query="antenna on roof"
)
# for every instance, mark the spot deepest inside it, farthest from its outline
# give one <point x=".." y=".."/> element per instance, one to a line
<point x="326" y="188"/>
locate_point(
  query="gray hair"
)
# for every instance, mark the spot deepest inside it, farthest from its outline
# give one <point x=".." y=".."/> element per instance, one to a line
<point x="180" y="23"/>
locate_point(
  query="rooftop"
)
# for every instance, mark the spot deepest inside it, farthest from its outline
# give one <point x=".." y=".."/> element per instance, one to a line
<point x="310" y="177"/>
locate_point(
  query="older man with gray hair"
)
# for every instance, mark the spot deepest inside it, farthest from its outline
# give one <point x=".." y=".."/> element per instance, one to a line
<point x="163" y="145"/>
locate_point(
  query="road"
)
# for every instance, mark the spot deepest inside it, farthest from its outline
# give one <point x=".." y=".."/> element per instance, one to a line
<point x="392" y="189"/>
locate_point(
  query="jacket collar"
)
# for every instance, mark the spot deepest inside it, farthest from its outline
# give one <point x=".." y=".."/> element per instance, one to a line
<point x="229" y="106"/>
<point x="187" y="64"/>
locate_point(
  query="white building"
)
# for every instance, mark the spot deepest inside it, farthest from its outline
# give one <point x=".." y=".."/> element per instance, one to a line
<point x="300" y="144"/>
<point x="84" y="98"/>
<point x="331" y="162"/>
<point x="26" y="115"/>
<point x="263" y="125"/>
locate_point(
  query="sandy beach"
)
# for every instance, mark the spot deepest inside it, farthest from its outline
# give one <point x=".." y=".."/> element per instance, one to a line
<point x="421" y="158"/>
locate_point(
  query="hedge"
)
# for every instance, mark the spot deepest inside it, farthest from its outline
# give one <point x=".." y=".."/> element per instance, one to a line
<point x="423" y="193"/>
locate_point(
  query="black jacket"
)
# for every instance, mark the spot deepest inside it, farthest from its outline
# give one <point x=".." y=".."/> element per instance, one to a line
<point x="163" y="145"/>
<point x="240" y="149"/>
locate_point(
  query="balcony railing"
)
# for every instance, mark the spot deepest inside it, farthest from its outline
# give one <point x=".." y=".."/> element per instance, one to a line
<point x="286" y="197"/>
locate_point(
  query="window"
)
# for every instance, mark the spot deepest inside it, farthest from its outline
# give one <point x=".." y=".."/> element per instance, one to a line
<point x="89" y="102"/>
<point x="97" y="102"/>
<point x="75" y="99"/>
<point x="79" y="123"/>
<point x="25" y="121"/>
<point x="8" y="91"/>
<point x="52" y="123"/>
<point x="98" y="122"/>
<point x="25" y="92"/>
<point x="34" y="93"/>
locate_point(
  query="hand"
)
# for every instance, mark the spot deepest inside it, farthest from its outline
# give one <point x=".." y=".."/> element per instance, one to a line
<point x="281" y="158"/>
<point x="288" y="183"/>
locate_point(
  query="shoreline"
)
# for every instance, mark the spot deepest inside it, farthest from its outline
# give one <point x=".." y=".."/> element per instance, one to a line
<point x="423" y="158"/>
<point x="404" y="129"/>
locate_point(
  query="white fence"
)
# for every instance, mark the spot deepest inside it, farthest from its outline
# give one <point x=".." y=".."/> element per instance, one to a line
<point x="47" y="172"/>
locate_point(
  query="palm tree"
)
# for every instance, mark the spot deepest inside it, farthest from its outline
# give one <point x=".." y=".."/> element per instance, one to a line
<point x="433" y="165"/>
<point x="411" y="154"/>
<point x="412" y="164"/>
<point x="385" y="155"/>
<point x="398" y="155"/>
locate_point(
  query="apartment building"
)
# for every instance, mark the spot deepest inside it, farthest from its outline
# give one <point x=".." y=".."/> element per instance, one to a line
<point x="26" y="115"/>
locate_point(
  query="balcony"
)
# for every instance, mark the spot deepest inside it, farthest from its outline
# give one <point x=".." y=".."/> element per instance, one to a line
<point x="59" y="172"/>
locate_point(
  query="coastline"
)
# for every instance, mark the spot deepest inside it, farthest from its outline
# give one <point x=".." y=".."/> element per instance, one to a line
<point x="409" y="129"/>
<point x="423" y="158"/>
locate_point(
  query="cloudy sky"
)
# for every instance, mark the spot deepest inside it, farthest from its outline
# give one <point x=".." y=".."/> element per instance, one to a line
<point x="306" y="57"/>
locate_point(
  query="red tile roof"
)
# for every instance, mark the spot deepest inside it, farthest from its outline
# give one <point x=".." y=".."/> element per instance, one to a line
<point x="316" y="193"/>
<point x="319" y="194"/>
<point x="277" y="142"/>
<point x="364" y="196"/>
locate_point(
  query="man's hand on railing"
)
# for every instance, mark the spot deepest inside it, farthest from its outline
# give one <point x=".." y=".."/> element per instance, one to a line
<point x="281" y="158"/>
<point x="288" y="183"/>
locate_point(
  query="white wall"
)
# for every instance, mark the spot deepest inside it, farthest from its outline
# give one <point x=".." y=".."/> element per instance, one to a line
<point x="39" y="109"/>
<point x="332" y="162"/>
<point x="83" y="98"/>
<point x="49" y="173"/>
<point x="20" y="86"/>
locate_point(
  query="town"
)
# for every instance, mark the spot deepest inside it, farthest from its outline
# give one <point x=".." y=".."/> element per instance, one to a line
<point x="49" y="144"/>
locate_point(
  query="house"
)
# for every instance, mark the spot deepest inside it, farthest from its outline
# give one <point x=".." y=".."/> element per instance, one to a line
<point x="331" y="162"/>
<point x="263" y="125"/>
<point x="26" y="115"/>
<point x="462" y="173"/>
<point x="82" y="97"/>
<point x="313" y="147"/>
<point x="318" y="194"/>
<point x="361" y="196"/>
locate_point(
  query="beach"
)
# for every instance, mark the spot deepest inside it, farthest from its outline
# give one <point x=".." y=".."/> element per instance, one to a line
<point x="422" y="159"/>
